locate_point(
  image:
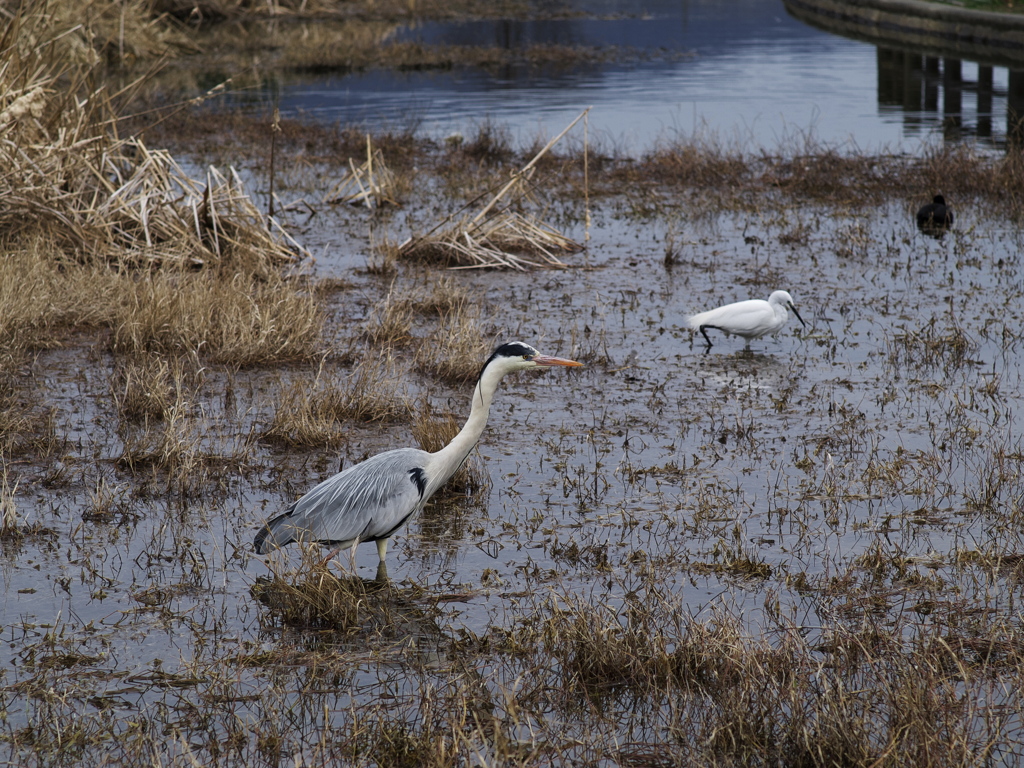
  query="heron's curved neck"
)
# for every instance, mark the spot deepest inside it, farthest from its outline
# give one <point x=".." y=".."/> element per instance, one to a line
<point x="450" y="458"/>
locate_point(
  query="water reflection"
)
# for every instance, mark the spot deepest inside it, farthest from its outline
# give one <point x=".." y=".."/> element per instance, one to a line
<point x="928" y="90"/>
<point x="744" y="71"/>
<point x="921" y="73"/>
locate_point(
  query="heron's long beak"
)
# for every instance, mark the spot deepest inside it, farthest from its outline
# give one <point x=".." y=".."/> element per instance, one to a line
<point x="797" y="315"/>
<point x="545" y="360"/>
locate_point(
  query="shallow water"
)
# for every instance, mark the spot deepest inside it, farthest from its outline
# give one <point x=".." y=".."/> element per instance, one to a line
<point x="741" y="71"/>
<point x="620" y="456"/>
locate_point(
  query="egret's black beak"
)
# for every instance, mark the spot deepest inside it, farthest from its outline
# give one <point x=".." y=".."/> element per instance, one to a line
<point x="797" y="315"/>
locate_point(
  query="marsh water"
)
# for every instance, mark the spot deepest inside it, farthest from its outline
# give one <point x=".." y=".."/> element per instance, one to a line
<point x="741" y="71"/>
<point x="887" y="428"/>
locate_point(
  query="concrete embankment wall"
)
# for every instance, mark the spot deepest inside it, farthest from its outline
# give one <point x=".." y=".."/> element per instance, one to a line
<point x="995" y="39"/>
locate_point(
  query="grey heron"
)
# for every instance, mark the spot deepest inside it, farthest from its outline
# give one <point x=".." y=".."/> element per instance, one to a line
<point x="371" y="500"/>
<point x="750" y="319"/>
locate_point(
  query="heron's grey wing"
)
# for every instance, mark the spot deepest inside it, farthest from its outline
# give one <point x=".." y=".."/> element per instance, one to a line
<point x="367" y="501"/>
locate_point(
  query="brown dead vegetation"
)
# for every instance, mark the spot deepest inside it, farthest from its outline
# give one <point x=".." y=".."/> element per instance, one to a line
<point x="454" y="350"/>
<point x="503" y="233"/>
<point x="712" y="175"/>
<point x="312" y="413"/>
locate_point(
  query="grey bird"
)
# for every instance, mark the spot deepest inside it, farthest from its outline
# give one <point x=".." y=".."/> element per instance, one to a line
<point x="371" y="500"/>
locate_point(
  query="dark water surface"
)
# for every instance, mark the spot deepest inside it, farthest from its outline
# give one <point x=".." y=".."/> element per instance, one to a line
<point x="743" y="71"/>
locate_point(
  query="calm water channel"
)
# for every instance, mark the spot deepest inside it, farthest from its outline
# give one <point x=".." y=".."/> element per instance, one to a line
<point x="744" y="71"/>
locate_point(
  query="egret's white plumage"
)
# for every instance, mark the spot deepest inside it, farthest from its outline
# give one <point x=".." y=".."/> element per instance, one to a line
<point x="371" y="500"/>
<point x="750" y="319"/>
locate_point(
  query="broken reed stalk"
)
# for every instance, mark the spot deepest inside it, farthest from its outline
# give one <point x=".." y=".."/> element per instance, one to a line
<point x="369" y="164"/>
<point x="103" y="197"/>
<point x="375" y="185"/>
<point x="275" y="128"/>
<point x="498" y="238"/>
<point x="522" y="173"/>
<point x="586" y="175"/>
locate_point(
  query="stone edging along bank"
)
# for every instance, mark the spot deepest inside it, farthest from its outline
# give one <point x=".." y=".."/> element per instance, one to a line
<point x="935" y="29"/>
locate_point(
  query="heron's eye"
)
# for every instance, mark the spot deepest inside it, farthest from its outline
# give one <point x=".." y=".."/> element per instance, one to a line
<point x="527" y="357"/>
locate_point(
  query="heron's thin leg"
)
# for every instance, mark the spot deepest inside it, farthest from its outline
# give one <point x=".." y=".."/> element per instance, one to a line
<point x="382" y="548"/>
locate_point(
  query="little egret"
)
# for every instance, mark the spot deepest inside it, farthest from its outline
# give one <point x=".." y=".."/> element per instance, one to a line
<point x="935" y="215"/>
<point x="371" y="500"/>
<point x="750" y="319"/>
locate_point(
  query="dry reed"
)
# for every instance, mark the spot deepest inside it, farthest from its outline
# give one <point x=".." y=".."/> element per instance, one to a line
<point x="309" y="413"/>
<point x="68" y="175"/>
<point x="239" y="321"/>
<point x="497" y="236"/>
<point x="371" y="184"/>
<point x="455" y="350"/>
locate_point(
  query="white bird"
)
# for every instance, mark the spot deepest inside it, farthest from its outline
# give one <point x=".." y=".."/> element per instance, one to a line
<point x="750" y="319"/>
<point x="371" y="500"/>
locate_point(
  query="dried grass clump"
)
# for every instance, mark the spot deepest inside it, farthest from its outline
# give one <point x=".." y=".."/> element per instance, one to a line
<point x="937" y="345"/>
<point x="444" y="297"/>
<point x="371" y="184"/>
<point x="805" y="170"/>
<point x="828" y="175"/>
<point x="41" y="292"/>
<point x="390" y="322"/>
<point x="17" y="423"/>
<point x="8" y="504"/>
<point x="173" y="446"/>
<point x="88" y="34"/>
<point x="456" y="350"/>
<point x="637" y="652"/>
<point x="492" y="144"/>
<point x="695" y="164"/>
<point x="27" y="427"/>
<point x="147" y="387"/>
<point x="496" y="237"/>
<point x="346" y="604"/>
<point x="903" y="694"/>
<point x="320" y="600"/>
<point x="241" y="321"/>
<point x="199" y="11"/>
<point x="69" y="177"/>
<point x="309" y="414"/>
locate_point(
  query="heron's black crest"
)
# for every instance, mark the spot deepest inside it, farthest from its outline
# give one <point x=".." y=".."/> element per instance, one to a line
<point x="511" y="349"/>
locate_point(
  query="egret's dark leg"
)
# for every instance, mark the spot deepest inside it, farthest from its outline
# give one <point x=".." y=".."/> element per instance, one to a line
<point x="706" y="337"/>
